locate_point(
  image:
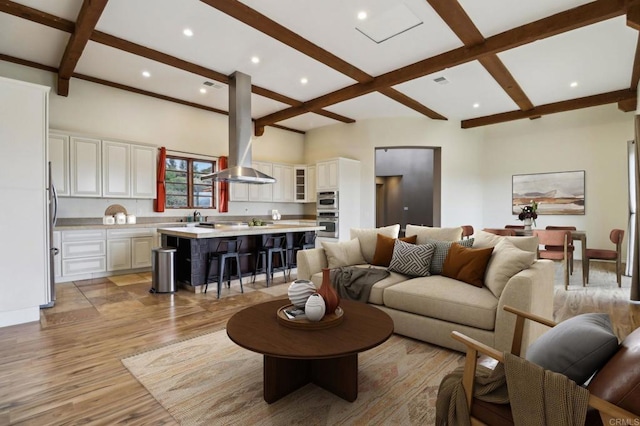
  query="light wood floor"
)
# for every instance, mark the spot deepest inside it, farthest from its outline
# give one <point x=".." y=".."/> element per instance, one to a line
<point x="66" y="369"/>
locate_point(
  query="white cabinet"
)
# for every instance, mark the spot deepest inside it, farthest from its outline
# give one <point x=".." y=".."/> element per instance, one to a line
<point x="327" y="175"/>
<point x="128" y="171"/>
<point x="304" y="184"/>
<point x="283" y="188"/>
<point x="85" y="165"/>
<point x="59" y="158"/>
<point x="116" y="169"/>
<point x="238" y="191"/>
<point x="143" y="171"/>
<point x="129" y="248"/>
<point x="262" y="192"/>
<point x="83" y="251"/>
<point x="57" y="259"/>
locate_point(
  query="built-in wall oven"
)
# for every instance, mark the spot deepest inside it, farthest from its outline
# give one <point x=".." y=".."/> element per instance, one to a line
<point x="327" y="200"/>
<point x="328" y="219"/>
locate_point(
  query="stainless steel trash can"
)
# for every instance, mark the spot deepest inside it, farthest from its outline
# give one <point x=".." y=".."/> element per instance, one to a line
<point x="163" y="278"/>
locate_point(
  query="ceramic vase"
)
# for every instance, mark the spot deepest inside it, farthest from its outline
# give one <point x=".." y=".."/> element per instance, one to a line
<point x="315" y="307"/>
<point x="328" y="293"/>
<point x="299" y="291"/>
<point x="527" y="223"/>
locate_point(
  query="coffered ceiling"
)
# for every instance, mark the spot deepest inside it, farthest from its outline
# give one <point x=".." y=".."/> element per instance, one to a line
<point x="477" y="62"/>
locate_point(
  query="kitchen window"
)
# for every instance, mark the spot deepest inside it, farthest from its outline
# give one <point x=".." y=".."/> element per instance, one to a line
<point x="184" y="185"/>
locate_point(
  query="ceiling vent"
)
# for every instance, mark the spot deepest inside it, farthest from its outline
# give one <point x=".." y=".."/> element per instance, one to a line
<point x="212" y="84"/>
<point x="441" y="80"/>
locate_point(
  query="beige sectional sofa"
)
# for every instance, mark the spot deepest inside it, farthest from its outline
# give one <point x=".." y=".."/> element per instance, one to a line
<point x="429" y="308"/>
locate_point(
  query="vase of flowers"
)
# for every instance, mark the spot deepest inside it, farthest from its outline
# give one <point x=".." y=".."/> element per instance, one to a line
<point x="528" y="215"/>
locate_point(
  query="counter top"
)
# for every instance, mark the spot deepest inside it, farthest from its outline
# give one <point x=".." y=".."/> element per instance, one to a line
<point x="206" y="232"/>
<point x="306" y="222"/>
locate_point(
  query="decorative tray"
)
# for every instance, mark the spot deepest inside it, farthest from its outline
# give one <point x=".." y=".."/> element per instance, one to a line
<point x="327" y="321"/>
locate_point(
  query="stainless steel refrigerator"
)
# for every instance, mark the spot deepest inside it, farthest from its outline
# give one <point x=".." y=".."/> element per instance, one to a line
<point x="52" y="218"/>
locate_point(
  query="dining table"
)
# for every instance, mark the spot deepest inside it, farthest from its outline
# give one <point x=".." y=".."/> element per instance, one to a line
<point x="577" y="235"/>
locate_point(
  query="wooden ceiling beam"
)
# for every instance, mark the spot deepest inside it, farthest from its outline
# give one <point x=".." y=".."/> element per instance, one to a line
<point x="62" y="24"/>
<point x="570" y="105"/>
<point x="568" y="20"/>
<point x="633" y="14"/>
<point x="627" y="105"/>
<point x="90" y="12"/>
<point x="635" y="73"/>
<point x="262" y="23"/>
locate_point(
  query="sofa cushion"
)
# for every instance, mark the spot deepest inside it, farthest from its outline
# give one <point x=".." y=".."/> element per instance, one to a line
<point x="376" y="296"/>
<point x="442" y="250"/>
<point x="384" y="249"/>
<point x="467" y="264"/>
<point x="445" y="299"/>
<point x="506" y="261"/>
<point x="576" y="347"/>
<point x="426" y="233"/>
<point x="343" y="254"/>
<point x="487" y="239"/>
<point x="368" y="238"/>
<point x="410" y="259"/>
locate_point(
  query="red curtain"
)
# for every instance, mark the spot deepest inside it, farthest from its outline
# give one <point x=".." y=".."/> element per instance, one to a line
<point x="158" y="205"/>
<point x="223" y="188"/>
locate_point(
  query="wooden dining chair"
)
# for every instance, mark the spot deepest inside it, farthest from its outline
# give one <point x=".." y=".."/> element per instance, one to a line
<point x="570" y="246"/>
<point x="500" y="231"/>
<point x="555" y="238"/>
<point x="467" y="231"/>
<point x="514" y="226"/>
<point x="616" y="237"/>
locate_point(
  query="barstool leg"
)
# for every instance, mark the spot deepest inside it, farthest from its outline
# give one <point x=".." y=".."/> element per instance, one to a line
<point x="284" y="266"/>
<point x="222" y="262"/>
<point x="239" y="272"/>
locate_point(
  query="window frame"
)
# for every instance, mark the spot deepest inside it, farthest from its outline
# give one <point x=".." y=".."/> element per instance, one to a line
<point x="190" y="174"/>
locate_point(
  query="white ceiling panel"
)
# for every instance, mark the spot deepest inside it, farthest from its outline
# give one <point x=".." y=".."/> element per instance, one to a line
<point x="67" y="9"/>
<point x="307" y="121"/>
<point x="33" y="42"/>
<point x="373" y="105"/>
<point x="495" y="16"/>
<point x="467" y="85"/>
<point x="599" y="58"/>
<point x="331" y="24"/>
<point x="219" y="43"/>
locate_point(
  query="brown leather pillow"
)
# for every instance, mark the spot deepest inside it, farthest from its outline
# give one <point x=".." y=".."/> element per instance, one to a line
<point x="467" y="264"/>
<point x="384" y="249"/>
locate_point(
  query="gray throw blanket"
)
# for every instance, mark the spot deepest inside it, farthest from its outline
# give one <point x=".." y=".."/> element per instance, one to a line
<point x="355" y="283"/>
<point x="537" y="396"/>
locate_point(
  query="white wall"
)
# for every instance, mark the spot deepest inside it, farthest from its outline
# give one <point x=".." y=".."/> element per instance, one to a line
<point x="102" y="111"/>
<point x="461" y="172"/>
<point x="591" y="139"/>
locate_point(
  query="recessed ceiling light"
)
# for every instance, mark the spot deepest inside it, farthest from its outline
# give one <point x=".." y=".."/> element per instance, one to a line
<point x="304" y="80"/>
<point x="255" y="60"/>
<point x="188" y="32"/>
<point x="362" y="15"/>
<point x="203" y="90"/>
<point x="146" y="74"/>
<point x="476" y="105"/>
<point x="574" y="84"/>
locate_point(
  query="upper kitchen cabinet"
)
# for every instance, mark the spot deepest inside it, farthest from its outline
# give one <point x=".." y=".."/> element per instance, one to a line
<point x="128" y="171"/>
<point x="85" y="156"/>
<point x="327" y="175"/>
<point x="305" y="184"/>
<point x="261" y="192"/>
<point x="238" y="191"/>
<point x="59" y="158"/>
<point x="312" y="191"/>
<point x="283" y="190"/>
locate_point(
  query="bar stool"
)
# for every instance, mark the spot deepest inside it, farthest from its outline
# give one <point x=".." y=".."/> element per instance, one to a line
<point x="306" y="241"/>
<point x="227" y="249"/>
<point x="273" y="246"/>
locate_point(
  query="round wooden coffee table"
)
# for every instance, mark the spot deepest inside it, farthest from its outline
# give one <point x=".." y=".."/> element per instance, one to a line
<point x="293" y="357"/>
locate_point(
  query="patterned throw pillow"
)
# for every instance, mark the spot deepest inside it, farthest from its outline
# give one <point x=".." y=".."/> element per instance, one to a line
<point x="410" y="259"/>
<point x="442" y="250"/>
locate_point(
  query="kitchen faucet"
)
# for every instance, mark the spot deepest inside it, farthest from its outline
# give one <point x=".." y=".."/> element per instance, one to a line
<point x="196" y="216"/>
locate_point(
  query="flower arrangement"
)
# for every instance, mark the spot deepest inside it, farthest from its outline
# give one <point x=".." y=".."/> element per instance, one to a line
<point x="529" y="212"/>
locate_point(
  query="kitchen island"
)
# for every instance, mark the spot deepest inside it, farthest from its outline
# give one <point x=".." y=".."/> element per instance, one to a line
<point x="195" y="243"/>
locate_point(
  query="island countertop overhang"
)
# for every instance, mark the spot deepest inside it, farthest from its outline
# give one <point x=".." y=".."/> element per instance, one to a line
<point x="197" y="232"/>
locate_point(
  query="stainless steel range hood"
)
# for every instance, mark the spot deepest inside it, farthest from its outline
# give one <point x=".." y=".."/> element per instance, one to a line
<point x="240" y="130"/>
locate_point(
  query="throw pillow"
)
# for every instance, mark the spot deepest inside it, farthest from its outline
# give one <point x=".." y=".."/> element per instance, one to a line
<point x="368" y="238"/>
<point x="442" y="249"/>
<point x="384" y="249"/>
<point x="487" y="239"/>
<point x="343" y="254"/>
<point x="410" y="259"/>
<point x="467" y="264"/>
<point x="577" y="347"/>
<point x="426" y="233"/>
<point x="506" y="261"/>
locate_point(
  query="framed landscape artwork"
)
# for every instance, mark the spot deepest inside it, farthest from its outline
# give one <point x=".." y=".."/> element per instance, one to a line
<point x="555" y="193"/>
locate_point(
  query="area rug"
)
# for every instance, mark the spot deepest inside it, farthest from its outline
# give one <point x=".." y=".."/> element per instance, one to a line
<point x="209" y="380"/>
